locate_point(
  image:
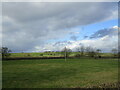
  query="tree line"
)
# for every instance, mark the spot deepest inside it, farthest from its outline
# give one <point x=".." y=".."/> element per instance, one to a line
<point x="87" y="51"/>
<point x="82" y="51"/>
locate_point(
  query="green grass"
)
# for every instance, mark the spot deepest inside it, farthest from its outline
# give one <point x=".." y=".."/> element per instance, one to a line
<point x="51" y="54"/>
<point x="59" y="74"/>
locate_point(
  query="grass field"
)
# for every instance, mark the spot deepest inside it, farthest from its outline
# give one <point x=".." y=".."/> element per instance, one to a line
<point x="73" y="73"/>
<point x="51" y="54"/>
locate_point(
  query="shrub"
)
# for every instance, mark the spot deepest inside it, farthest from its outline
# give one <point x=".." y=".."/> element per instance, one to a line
<point x="41" y="54"/>
<point x="77" y="55"/>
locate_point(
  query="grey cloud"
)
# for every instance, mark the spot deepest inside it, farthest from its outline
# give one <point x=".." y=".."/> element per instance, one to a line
<point x="61" y="14"/>
<point x="74" y="37"/>
<point x="104" y="32"/>
<point x="85" y="36"/>
<point x="26" y="25"/>
<point x="62" y="43"/>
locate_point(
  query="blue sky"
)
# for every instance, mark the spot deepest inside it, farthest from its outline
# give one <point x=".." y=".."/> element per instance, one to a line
<point x="87" y="30"/>
<point x="92" y="28"/>
<point x="52" y="26"/>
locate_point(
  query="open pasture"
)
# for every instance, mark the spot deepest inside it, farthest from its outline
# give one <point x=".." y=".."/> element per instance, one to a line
<point x="52" y="54"/>
<point x="56" y="73"/>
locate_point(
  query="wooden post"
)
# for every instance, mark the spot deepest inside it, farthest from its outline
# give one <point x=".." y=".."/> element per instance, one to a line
<point x="65" y="53"/>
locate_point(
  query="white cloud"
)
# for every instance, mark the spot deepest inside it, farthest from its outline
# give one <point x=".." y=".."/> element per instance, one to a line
<point x="27" y="25"/>
<point x="106" y="44"/>
<point x="60" y="0"/>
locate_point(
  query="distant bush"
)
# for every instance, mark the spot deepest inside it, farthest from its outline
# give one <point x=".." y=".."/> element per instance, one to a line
<point x="5" y="52"/>
<point x="28" y="55"/>
<point x="77" y="55"/>
<point x="97" y="56"/>
<point x="41" y="54"/>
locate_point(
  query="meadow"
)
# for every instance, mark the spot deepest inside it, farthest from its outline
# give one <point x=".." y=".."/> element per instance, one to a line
<point x="58" y="73"/>
<point x="52" y="54"/>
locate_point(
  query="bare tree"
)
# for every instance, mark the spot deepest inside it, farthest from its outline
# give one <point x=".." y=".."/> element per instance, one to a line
<point x="114" y="51"/>
<point x="98" y="52"/>
<point x="90" y="51"/>
<point x="5" y="52"/>
<point x="78" y="49"/>
<point x="81" y="50"/>
<point x="66" y="52"/>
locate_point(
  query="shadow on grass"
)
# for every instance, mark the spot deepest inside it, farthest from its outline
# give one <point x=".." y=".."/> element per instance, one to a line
<point x="28" y="79"/>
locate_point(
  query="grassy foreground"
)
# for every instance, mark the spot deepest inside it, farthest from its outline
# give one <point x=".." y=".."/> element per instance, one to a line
<point x="52" y="54"/>
<point x="57" y="73"/>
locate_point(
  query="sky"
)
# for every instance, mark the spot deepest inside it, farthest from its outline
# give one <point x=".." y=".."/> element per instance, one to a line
<point x="50" y="26"/>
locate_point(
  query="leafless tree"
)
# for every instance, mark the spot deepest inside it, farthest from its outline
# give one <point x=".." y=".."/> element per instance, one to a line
<point x="114" y="51"/>
<point x="66" y="52"/>
<point x="90" y="51"/>
<point x="5" y="52"/>
<point x="81" y="50"/>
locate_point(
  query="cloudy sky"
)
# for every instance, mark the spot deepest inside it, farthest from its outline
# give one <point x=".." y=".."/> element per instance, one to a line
<point x="42" y="26"/>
